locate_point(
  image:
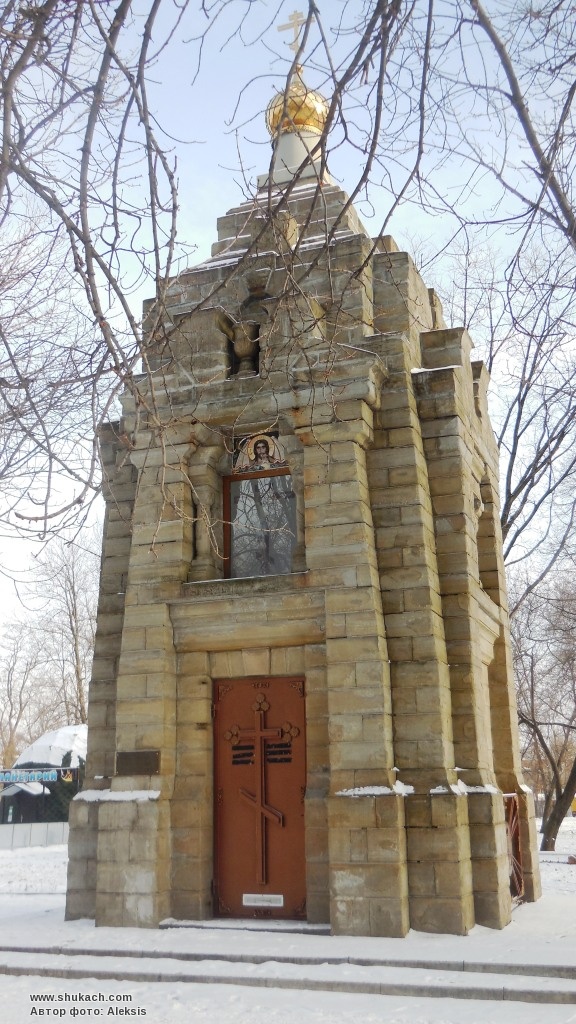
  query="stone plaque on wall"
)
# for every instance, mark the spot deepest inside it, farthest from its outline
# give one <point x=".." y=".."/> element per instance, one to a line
<point x="138" y="762"/>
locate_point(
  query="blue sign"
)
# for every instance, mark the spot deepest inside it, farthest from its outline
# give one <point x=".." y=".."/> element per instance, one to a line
<point x="37" y="774"/>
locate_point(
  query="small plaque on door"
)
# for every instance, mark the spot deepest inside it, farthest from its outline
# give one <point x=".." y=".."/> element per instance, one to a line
<point x="262" y="899"/>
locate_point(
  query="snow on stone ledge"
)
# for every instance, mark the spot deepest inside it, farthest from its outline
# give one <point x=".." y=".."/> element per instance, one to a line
<point x="402" y="788"/>
<point x="398" y="787"/>
<point x="461" y="789"/>
<point x="101" y="795"/>
<point x="434" y="369"/>
<point x="365" y="791"/>
<point x="480" y="789"/>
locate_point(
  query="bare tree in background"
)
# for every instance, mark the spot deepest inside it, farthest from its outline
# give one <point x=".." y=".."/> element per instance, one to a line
<point x="47" y="387"/>
<point x="46" y="657"/>
<point x="27" y="706"/>
<point x="544" y="642"/>
<point x="523" y="334"/>
<point x="63" y="621"/>
<point x="15" y="697"/>
<point x="455" y="110"/>
<point x="79" y="149"/>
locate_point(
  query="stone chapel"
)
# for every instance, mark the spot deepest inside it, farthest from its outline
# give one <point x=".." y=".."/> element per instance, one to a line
<point x="302" y="703"/>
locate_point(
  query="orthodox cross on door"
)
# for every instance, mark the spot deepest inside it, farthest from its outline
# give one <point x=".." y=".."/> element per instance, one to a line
<point x="259" y="735"/>
<point x="260" y="777"/>
<point x="295" y="21"/>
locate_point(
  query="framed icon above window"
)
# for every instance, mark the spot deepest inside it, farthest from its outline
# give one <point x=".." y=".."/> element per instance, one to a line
<point x="259" y="510"/>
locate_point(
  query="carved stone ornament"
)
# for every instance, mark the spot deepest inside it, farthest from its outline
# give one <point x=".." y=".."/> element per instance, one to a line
<point x="246" y="347"/>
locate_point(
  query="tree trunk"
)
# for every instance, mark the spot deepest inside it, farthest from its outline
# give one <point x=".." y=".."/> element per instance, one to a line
<point x="548" y="805"/>
<point x="552" y="824"/>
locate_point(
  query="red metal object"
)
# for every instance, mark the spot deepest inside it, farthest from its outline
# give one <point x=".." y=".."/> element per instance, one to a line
<point x="260" y="778"/>
<point x="514" y="848"/>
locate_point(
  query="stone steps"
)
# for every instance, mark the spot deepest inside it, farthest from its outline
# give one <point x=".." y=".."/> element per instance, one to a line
<point x="436" y="979"/>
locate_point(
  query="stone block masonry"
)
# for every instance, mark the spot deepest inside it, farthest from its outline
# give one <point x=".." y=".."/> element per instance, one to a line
<point x="390" y="620"/>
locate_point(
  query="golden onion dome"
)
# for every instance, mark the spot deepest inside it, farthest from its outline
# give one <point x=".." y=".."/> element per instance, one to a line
<point x="297" y="109"/>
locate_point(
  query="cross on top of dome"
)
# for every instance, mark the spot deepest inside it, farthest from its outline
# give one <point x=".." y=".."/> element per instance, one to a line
<point x="295" y="22"/>
<point x="297" y="108"/>
<point x="296" y="118"/>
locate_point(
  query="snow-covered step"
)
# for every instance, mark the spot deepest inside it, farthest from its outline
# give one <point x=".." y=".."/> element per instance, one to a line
<point x="398" y="979"/>
<point x="531" y="970"/>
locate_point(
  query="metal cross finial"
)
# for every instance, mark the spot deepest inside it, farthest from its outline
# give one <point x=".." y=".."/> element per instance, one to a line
<point x="295" y="21"/>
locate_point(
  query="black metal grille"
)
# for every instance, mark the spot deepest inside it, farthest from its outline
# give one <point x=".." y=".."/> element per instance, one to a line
<point x="243" y="754"/>
<point x="279" y="753"/>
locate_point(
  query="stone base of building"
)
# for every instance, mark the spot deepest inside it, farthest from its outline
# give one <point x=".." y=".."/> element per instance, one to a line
<point x="436" y="863"/>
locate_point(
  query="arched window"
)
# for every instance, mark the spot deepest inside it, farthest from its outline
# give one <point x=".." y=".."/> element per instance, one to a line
<point x="259" y="510"/>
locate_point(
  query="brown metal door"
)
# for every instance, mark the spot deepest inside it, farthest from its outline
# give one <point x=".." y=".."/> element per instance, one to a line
<point x="260" y="777"/>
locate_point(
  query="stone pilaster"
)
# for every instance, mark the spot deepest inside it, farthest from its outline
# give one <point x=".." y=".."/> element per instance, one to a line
<point x="119" y="489"/>
<point x="368" y="888"/>
<point x="462" y="475"/>
<point x="192" y="802"/>
<point x="133" y="876"/>
<point x="439" y="874"/>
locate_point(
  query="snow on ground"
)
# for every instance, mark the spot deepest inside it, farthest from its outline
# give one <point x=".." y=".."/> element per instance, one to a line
<point x="32" y="886"/>
<point x="34" y="869"/>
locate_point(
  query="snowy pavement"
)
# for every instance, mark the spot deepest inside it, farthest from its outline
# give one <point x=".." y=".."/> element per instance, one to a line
<point x="222" y="974"/>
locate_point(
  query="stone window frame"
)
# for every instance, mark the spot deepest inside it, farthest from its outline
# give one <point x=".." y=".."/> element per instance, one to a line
<point x="207" y="480"/>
